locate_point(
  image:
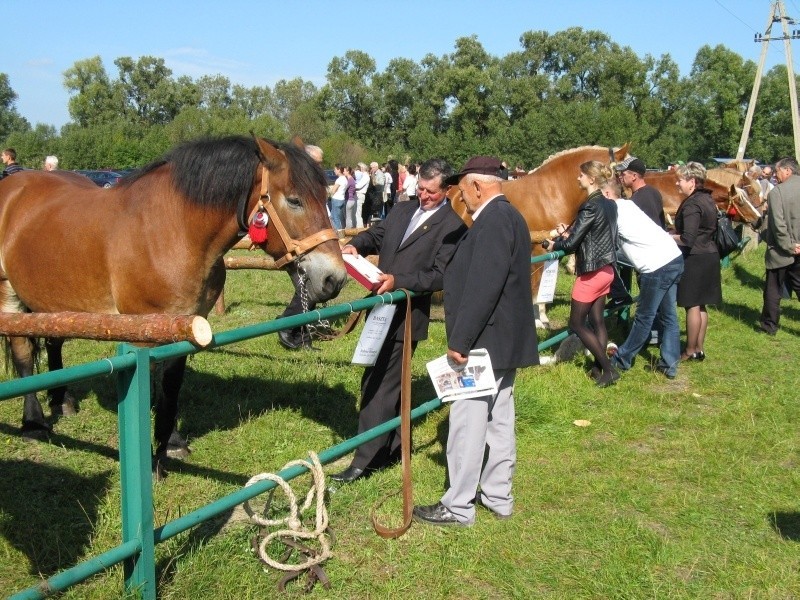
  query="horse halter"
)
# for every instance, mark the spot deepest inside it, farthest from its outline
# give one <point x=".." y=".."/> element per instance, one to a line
<point x="744" y="199"/>
<point x="294" y="248"/>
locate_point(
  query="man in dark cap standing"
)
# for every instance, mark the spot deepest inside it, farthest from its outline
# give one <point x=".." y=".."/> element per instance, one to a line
<point x="630" y="173"/>
<point x="488" y="304"/>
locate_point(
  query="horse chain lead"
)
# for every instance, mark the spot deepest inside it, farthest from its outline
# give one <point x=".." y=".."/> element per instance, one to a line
<point x="322" y="328"/>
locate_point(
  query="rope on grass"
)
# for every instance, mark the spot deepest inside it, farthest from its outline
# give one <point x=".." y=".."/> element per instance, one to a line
<point x="294" y="530"/>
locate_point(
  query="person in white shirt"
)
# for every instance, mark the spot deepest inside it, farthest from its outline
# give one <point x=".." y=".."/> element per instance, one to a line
<point x="338" y="200"/>
<point x="362" y="183"/>
<point x="658" y="260"/>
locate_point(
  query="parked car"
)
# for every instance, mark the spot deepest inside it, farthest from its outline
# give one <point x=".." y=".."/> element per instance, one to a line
<point x="102" y="178"/>
<point x="330" y="175"/>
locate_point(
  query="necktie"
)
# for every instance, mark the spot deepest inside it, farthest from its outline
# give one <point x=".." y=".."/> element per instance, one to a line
<point x="412" y="225"/>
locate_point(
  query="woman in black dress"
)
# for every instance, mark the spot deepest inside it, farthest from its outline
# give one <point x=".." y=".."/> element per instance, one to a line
<point x="700" y="285"/>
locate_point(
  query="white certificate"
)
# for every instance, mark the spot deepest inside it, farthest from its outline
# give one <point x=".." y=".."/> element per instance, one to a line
<point x="375" y="329"/>
<point x="547" y="286"/>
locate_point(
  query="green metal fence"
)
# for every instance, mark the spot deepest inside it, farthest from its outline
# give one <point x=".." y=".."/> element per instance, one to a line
<point x="132" y="366"/>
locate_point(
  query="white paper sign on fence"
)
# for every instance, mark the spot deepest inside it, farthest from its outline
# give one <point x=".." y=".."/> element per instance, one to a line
<point x="547" y="287"/>
<point x="375" y="329"/>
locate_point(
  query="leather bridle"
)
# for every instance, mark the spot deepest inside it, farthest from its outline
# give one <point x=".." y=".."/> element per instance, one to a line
<point x="294" y="248"/>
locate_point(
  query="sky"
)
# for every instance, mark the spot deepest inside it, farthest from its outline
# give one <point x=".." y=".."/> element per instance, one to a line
<point x="261" y="42"/>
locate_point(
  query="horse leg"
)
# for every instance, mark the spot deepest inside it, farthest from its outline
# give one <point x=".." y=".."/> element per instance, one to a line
<point x="540" y="314"/>
<point x="34" y="426"/>
<point x="62" y="403"/>
<point x="169" y="442"/>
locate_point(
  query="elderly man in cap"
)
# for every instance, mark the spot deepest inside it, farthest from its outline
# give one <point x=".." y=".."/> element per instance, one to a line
<point x="488" y="304"/>
<point x="630" y="173"/>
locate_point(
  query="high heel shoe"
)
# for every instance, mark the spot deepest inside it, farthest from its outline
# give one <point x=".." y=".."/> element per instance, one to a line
<point x="608" y="378"/>
<point x="698" y="356"/>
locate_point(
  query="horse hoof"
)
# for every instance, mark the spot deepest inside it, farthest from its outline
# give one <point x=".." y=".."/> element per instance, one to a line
<point x="68" y="408"/>
<point x="178" y="452"/>
<point x="36" y="433"/>
<point x="159" y="470"/>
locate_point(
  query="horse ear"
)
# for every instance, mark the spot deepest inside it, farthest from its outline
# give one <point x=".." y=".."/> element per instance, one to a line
<point x="298" y="141"/>
<point x="268" y="153"/>
<point x="622" y="152"/>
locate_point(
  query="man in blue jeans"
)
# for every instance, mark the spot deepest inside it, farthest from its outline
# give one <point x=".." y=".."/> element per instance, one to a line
<point x="658" y="260"/>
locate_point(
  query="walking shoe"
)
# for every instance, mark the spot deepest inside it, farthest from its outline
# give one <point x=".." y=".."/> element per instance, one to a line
<point x="437" y="514"/>
<point x="608" y="378"/>
<point x="294" y="339"/>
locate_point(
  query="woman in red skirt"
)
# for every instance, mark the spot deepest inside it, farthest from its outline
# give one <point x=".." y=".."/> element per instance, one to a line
<point x="593" y="238"/>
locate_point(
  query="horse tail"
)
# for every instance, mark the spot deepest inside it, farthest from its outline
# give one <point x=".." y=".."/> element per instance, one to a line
<point x="36" y="351"/>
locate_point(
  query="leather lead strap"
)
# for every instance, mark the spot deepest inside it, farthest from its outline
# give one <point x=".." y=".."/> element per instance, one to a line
<point x="405" y="437"/>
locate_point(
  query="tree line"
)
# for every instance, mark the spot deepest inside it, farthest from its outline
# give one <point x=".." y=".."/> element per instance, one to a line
<point x="562" y="90"/>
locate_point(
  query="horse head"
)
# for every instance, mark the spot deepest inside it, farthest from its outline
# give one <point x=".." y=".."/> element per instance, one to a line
<point x="741" y="199"/>
<point x="291" y="191"/>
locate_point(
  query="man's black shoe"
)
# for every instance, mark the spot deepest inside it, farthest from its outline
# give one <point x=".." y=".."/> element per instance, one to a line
<point x="618" y="302"/>
<point x="294" y="339"/>
<point x="349" y="475"/>
<point x="437" y="514"/>
<point x="762" y="329"/>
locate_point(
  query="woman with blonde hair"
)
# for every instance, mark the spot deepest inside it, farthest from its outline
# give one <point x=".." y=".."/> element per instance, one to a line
<point x="592" y="236"/>
<point x="701" y="282"/>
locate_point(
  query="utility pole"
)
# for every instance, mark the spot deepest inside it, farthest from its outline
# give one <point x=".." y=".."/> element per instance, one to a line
<point x="777" y="13"/>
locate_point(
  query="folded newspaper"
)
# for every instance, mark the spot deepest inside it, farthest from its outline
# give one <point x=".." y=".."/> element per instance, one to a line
<point x="472" y="380"/>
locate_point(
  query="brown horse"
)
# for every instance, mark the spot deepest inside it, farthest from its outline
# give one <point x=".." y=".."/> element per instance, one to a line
<point x="547" y="196"/>
<point x="729" y="189"/>
<point x="155" y="244"/>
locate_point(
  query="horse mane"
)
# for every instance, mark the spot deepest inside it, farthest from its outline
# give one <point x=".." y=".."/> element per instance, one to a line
<point x="558" y="155"/>
<point x="219" y="172"/>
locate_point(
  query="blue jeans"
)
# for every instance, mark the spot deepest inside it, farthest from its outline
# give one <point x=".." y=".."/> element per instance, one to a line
<point x="337" y="213"/>
<point x="657" y="300"/>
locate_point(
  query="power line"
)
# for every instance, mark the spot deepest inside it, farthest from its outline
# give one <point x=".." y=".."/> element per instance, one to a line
<point x="746" y="24"/>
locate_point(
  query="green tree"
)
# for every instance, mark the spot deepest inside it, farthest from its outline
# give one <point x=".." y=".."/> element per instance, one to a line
<point x="10" y="119"/>
<point x="771" y="135"/>
<point x="32" y="145"/>
<point x="348" y="98"/>
<point x="92" y="100"/>
<point x="149" y="94"/>
<point x="719" y="89"/>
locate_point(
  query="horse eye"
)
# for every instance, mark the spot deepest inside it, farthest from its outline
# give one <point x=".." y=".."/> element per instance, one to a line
<point x="294" y="202"/>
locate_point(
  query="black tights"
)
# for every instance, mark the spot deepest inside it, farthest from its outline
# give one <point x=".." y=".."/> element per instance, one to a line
<point x="594" y="335"/>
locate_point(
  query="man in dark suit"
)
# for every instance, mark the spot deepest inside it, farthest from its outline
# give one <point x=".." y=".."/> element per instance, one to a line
<point x="488" y="304"/>
<point x="782" y="258"/>
<point x="415" y="242"/>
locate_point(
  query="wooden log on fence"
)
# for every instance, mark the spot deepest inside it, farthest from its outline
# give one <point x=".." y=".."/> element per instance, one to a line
<point x="243" y="244"/>
<point x="150" y="328"/>
<point x="260" y="261"/>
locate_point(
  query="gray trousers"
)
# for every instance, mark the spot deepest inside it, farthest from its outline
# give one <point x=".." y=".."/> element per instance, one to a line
<point x="482" y="427"/>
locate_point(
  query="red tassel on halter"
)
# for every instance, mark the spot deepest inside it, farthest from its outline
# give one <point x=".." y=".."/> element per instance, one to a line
<point x="258" y="228"/>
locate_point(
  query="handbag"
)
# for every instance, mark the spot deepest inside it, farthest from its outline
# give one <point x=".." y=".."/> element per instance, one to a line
<point x="725" y="237"/>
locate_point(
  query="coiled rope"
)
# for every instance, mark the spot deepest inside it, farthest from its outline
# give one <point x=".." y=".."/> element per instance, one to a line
<point x="294" y="529"/>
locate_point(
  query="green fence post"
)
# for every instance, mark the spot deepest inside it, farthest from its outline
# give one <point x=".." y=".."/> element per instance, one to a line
<point x="133" y="390"/>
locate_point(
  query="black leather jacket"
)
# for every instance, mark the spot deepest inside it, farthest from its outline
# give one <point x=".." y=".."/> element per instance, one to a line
<point x="593" y="235"/>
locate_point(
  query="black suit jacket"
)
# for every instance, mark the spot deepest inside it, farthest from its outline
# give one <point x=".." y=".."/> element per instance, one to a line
<point x="487" y="289"/>
<point x="417" y="264"/>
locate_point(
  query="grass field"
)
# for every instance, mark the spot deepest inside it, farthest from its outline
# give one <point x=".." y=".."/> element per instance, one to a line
<point x="677" y="489"/>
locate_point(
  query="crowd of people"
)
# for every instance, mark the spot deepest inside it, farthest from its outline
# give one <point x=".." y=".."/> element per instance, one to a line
<point x="405" y="218"/>
<point x="484" y="272"/>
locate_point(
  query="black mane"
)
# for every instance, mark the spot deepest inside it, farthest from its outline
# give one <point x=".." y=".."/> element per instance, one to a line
<point x="218" y="172"/>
